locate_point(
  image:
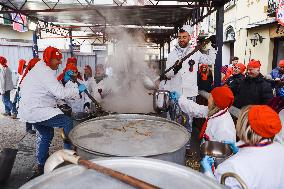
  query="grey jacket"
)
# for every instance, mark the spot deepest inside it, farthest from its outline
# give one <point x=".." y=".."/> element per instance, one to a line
<point x="6" y="82"/>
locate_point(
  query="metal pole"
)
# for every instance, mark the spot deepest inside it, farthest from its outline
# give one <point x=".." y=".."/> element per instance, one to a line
<point x="35" y="47"/>
<point x="219" y="41"/>
<point x="71" y="43"/>
<point x="169" y="47"/>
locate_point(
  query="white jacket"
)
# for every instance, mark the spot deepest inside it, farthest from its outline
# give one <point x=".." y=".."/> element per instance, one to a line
<point x="280" y="136"/>
<point x="77" y="104"/>
<point x="221" y="128"/>
<point x="93" y="87"/>
<point x="39" y="91"/>
<point x="6" y="82"/>
<point x="185" y="82"/>
<point x="258" y="167"/>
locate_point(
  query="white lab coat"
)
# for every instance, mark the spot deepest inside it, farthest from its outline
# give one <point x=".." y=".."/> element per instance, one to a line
<point x="280" y="136"/>
<point x="185" y="82"/>
<point x="258" y="167"/>
<point x="93" y="87"/>
<point x="39" y="91"/>
<point x="77" y="104"/>
<point x="221" y="128"/>
<point x="6" y="82"/>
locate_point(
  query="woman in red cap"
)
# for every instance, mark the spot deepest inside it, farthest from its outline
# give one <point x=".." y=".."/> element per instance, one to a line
<point x="237" y="76"/>
<point x="219" y="125"/>
<point x="40" y="90"/>
<point x="6" y="85"/>
<point x="259" y="160"/>
<point x="204" y="78"/>
<point x="77" y="104"/>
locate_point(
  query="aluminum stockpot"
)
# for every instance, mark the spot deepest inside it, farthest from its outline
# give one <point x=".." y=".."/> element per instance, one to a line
<point x="220" y="151"/>
<point x="161" y="100"/>
<point x="129" y="135"/>
<point x="163" y="174"/>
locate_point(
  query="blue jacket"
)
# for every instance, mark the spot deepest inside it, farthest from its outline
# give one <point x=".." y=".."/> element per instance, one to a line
<point x="275" y="73"/>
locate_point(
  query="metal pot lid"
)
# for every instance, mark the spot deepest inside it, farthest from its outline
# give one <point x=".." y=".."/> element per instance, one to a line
<point x="163" y="174"/>
<point x="129" y="135"/>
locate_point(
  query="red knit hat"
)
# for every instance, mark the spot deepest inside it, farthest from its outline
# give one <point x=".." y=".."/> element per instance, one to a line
<point x="51" y="53"/>
<point x="241" y="66"/>
<point x="223" y="97"/>
<point x="21" y="65"/>
<point x="254" y="64"/>
<point x="30" y="65"/>
<point x="72" y="60"/>
<point x="3" y="61"/>
<point x="71" y="67"/>
<point x="264" y="121"/>
<point x="281" y="63"/>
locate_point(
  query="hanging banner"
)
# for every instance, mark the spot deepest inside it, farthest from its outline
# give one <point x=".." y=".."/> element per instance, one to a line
<point x="280" y="15"/>
<point x="280" y="3"/>
<point x="20" y="23"/>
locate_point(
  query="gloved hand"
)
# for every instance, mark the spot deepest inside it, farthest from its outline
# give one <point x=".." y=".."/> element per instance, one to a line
<point x="174" y="96"/>
<point x="177" y="67"/>
<point x="232" y="146"/>
<point x="82" y="88"/>
<point x="207" y="163"/>
<point x="67" y="75"/>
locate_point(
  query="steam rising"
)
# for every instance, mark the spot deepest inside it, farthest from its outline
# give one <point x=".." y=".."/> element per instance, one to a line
<point x="128" y="94"/>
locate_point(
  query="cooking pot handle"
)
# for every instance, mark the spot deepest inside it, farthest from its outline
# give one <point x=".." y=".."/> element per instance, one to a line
<point x="234" y="175"/>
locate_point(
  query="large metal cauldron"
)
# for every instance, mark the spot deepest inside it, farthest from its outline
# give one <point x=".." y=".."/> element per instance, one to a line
<point x="128" y="135"/>
<point x="163" y="174"/>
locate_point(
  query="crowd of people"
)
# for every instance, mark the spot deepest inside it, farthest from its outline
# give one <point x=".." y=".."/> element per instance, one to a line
<point x="37" y="80"/>
<point x="255" y="139"/>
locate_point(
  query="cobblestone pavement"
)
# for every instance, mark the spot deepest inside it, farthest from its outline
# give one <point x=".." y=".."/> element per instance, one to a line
<point x="13" y="135"/>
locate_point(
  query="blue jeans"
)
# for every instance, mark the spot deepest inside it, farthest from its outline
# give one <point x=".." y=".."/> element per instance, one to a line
<point x="9" y="106"/>
<point x="46" y="132"/>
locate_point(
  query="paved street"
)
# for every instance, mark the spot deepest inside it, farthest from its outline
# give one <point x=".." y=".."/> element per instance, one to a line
<point x="13" y="135"/>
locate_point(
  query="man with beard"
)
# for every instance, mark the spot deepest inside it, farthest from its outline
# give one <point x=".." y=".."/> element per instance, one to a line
<point x="183" y="78"/>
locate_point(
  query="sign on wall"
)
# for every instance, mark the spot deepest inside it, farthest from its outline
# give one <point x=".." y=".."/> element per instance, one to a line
<point x="280" y="12"/>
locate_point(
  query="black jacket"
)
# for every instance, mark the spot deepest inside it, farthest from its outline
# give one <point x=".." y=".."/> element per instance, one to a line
<point x="205" y="85"/>
<point x="253" y="91"/>
<point x="234" y="82"/>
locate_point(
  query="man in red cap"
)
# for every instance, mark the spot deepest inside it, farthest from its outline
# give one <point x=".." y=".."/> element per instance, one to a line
<point x="6" y="85"/>
<point x="258" y="160"/>
<point x="254" y="89"/>
<point x="277" y="75"/>
<point x="219" y="125"/>
<point x="38" y="105"/>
